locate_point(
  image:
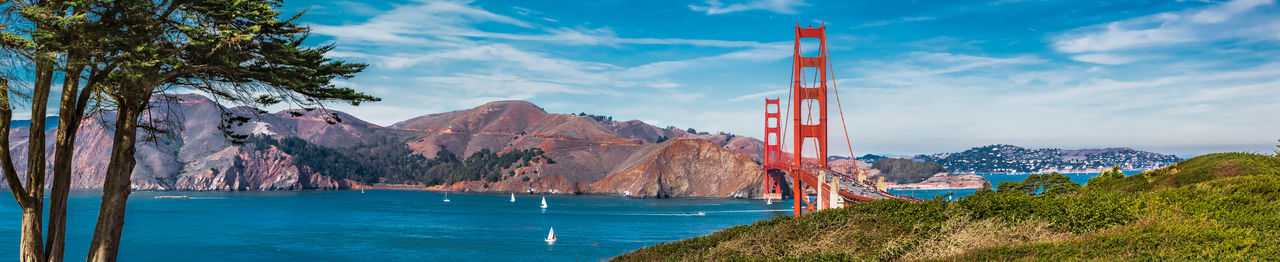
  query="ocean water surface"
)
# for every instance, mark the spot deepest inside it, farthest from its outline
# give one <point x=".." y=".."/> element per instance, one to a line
<point x="385" y="225"/>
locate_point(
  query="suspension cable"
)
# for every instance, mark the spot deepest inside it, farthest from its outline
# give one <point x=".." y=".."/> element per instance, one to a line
<point x="843" y="125"/>
<point x="785" y="121"/>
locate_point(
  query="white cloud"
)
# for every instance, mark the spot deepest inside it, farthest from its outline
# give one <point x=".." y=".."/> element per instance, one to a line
<point x="664" y="85"/>
<point x="1234" y="20"/>
<point x="933" y="100"/>
<point x="426" y="23"/>
<point x="450" y="24"/>
<point x="896" y="21"/>
<point x="1104" y="58"/>
<point x="760" y="95"/>
<point x="715" y="7"/>
<point x="1220" y="13"/>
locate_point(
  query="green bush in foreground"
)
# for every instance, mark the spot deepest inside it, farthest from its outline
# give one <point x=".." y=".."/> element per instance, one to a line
<point x="1213" y="207"/>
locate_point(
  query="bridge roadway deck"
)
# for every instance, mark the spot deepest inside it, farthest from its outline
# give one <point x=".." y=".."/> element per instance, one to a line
<point x="850" y="190"/>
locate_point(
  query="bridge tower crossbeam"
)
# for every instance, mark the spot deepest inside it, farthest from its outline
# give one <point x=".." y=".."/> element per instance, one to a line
<point x="808" y="132"/>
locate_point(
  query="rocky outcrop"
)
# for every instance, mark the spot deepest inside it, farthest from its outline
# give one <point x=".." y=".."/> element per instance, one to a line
<point x="684" y="168"/>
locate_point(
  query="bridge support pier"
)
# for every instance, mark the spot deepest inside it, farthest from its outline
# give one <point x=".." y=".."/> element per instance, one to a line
<point x="824" y="194"/>
<point x="836" y="201"/>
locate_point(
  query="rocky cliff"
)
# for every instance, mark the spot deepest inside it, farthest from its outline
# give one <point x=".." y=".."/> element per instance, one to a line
<point x="684" y="167"/>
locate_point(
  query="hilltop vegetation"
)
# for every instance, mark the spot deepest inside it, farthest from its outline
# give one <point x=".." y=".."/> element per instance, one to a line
<point x="1212" y="207"/>
<point x="905" y="171"/>
<point x="391" y="161"/>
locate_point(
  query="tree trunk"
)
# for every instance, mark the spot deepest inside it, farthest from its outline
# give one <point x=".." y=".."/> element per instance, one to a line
<point x="115" y="190"/>
<point x="69" y="114"/>
<point x="31" y="249"/>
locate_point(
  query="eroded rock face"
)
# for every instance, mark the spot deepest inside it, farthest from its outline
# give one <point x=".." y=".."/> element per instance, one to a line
<point x="685" y="168"/>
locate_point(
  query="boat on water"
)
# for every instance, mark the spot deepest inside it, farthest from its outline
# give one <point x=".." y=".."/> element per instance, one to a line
<point x="551" y="236"/>
<point x="544" y="202"/>
<point x="446" y="197"/>
<point x="513" y="197"/>
<point x="174" y="197"/>
<point x="768" y="201"/>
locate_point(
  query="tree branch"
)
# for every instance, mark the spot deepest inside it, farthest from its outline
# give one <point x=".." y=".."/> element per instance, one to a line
<point x="10" y="173"/>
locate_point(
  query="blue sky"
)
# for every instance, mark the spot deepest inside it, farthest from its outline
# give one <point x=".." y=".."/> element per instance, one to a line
<point x="1184" y="77"/>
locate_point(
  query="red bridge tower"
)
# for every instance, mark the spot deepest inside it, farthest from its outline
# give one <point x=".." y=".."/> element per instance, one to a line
<point x="772" y="147"/>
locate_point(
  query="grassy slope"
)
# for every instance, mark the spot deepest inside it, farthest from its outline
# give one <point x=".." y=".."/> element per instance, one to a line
<point x="1213" y="207"/>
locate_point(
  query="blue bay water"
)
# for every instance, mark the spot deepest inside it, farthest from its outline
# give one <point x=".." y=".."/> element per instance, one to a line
<point x="383" y="225"/>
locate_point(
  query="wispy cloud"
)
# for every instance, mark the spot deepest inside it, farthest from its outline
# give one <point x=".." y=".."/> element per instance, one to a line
<point x="895" y="21"/>
<point x="453" y="53"/>
<point x="715" y="7"/>
<point x="1189" y="78"/>
<point x="1012" y="100"/>
<point x="1234" y="20"/>
<point x="1103" y="58"/>
<point x="760" y="95"/>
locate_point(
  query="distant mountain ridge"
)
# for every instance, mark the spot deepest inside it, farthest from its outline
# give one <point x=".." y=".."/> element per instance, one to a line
<point x="1015" y="159"/>
<point x="578" y="153"/>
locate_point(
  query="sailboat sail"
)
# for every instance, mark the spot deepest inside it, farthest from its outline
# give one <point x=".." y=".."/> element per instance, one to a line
<point x="551" y="236"/>
<point x="513" y="197"/>
<point x="544" y="202"/>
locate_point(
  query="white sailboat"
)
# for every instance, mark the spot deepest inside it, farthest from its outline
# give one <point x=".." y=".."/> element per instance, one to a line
<point x="768" y="201"/>
<point x="544" y="202"/>
<point x="446" y="197"/>
<point x="513" y="197"/>
<point x="551" y="236"/>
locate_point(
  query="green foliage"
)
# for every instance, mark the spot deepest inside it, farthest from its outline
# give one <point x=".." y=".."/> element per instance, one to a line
<point x="1277" y="150"/>
<point x="1080" y="213"/>
<point x="869" y="158"/>
<point x="903" y="171"/>
<point x="1107" y="175"/>
<point x="1052" y="184"/>
<point x="1193" y="171"/>
<point x="692" y="131"/>
<point x="1228" y="216"/>
<point x="390" y="160"/>
<point x="598" y="118"/>
<point x="871" y="225"/>
<point x="1222" y="219"/>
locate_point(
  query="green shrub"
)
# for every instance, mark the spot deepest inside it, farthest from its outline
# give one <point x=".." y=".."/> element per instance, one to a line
<point x="1052" y="184"/>
<point x="1217" y="207"/>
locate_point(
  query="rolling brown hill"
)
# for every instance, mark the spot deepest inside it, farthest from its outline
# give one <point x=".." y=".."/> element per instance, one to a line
<point x="591" y="156"/>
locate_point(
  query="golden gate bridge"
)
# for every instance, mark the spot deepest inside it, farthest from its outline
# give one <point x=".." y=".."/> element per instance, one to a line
<point x="814" y="185"/>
